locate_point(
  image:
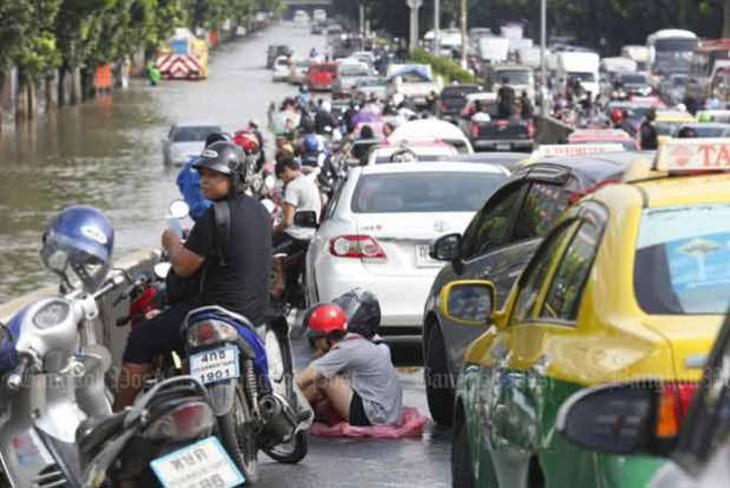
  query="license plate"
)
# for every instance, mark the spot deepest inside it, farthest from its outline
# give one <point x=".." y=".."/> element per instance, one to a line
<point x="423" y="260"/>
<point x="503" y="147"/>
<point x="215" y="365"/>
<point x="200" y="465"/>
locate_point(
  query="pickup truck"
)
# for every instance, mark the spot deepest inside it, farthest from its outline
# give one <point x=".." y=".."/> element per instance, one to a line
<point x="413" y="81"/>
<point x="322" y="76"/>
<point x="489" y="132"/>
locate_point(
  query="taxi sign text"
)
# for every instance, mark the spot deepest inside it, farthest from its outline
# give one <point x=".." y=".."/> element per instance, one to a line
<point x="694" y="154"/>
<point x="547" y="150"/>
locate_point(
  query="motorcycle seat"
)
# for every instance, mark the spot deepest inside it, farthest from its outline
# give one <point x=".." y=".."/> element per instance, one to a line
<point x="94" y="431"/>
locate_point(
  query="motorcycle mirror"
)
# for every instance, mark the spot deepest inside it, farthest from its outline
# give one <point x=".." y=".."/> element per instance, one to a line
<point x="162" y="270"/>
<point x="179" y="209"/>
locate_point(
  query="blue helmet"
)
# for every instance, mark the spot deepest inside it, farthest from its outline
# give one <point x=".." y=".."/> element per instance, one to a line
<point x="81" y="238"/>
<point x="311" y="143"/>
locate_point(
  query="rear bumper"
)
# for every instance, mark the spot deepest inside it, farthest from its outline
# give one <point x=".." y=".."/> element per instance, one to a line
<point x="401" y="297"/>
<point x="503" y="145"/>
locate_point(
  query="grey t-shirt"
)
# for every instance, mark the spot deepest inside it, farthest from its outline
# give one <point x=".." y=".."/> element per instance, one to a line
<point x="303" y="194"/>
<point x="370" y="372"/>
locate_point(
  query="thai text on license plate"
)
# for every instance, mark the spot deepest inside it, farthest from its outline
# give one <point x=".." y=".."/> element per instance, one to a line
<point x="215" y="365"/>
<point x="204" y="464"/>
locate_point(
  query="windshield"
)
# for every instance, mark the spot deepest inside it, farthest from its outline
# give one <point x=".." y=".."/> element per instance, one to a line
<point x="423" y="192"/>
<point x="681" y="260"/>
<point x="353" y="72"/>
<point x="673" y="55"/>
<point x="587" y="77"/>
<point x="192" y="134"/>
<point x="322" y="69"/>
<point x="667" y="128"/>
<point x="458" y="91"/>
<point x="635" y="79"/>
<point x="514" y="77"/>
<point x="371" y="82"/>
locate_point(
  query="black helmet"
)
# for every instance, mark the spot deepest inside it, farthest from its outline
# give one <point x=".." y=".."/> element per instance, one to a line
<point x="363" y="311"/>
<point x="226" y="158"/>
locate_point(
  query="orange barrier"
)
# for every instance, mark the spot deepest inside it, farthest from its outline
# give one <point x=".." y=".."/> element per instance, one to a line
<point x="213" y="37"/>
<point x="103" y="78"/>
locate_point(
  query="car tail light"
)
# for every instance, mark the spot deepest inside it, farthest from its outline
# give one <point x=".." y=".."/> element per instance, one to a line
<point x="444" y="106"/>
<point x="189" y="420"/>
<point x="673" y="407"/>
<point x="475" y="129"/>
<point x="356" y="246"/>
<point x="210" y="332"/>
<point x="530" y="129"/>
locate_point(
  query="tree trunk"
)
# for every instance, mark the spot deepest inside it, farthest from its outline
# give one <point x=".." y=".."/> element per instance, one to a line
<point x="726" y="19"/>
<point x="76" y="93"/>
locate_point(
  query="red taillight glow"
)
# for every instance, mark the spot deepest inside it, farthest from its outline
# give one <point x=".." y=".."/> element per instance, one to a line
<point x="188" y="421"/>
<point x="356" y="246"/>
<point x="673" y="407"/>
<point x="530" y="129"/>
<point x="474" y="129"/>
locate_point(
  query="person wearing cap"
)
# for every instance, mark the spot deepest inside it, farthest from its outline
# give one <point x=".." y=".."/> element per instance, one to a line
<point x="234" y="270"/>
<point x="351" y="376"/>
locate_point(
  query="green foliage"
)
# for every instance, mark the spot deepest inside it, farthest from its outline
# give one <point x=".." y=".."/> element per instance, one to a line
<point x="450" y="70"/>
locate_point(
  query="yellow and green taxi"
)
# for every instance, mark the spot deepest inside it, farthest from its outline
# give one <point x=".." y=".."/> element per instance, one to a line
<point x="632" y="282"/>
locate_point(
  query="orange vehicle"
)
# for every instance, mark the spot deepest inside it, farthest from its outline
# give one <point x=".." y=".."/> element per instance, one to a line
<point x="322" y="76"/>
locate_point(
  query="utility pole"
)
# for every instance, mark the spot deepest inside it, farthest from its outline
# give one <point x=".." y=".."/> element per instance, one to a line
<point x="414" y="5"/>
<point x="437" y="27"/>
<point x="543" y="60"/>
<point x="362" y="19"/>
<point x="464" y="43"/>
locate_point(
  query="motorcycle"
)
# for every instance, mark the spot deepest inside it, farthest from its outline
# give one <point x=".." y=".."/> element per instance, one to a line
<point x="248" y="372"/>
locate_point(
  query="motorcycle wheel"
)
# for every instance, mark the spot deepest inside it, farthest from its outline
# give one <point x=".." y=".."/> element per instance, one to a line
<point x="239" y="439"/>
<point x="290" y="452"/>
<point x="278" y="353"/>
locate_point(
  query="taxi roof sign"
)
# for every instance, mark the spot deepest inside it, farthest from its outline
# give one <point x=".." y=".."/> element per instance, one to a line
<point x="677" y="155"/>
<point x="549" y="150"/>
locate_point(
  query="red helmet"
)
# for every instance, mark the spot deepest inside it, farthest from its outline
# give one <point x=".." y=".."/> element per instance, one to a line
<point x="246" y="141"/>
<point x="324" y="319"/>
<point x="617" y="116"/>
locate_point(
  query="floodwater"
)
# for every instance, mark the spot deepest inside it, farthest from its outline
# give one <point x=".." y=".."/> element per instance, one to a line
<point x="108" y="153"/>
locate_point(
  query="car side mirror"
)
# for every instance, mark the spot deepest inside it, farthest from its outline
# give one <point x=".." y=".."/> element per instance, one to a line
<point x="633" y="418"/>
<point x="469" y="302"/>
<point x="446" y="248"/>
<point x="306" y="218"/>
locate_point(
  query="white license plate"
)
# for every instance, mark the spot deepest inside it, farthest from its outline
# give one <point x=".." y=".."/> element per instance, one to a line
<point x="503" y="147"/>
<point x="423" y="260"/>
<point x="200" y="465"/>
<point x="215" y="365"/>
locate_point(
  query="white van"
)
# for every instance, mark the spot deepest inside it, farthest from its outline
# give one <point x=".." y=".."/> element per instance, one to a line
<point x="582" y="65"/>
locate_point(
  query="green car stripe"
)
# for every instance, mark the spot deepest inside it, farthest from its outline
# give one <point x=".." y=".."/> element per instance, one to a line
<point x="511" y="423"/>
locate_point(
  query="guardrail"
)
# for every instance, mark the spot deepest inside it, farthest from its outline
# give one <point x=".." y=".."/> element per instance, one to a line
<point x="112" y="337"/>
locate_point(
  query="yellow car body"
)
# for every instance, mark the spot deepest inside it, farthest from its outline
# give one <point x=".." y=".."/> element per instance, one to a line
<point x="519" y="372"/>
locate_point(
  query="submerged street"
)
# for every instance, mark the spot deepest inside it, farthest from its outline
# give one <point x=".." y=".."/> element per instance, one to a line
<point x="107" y="153"/>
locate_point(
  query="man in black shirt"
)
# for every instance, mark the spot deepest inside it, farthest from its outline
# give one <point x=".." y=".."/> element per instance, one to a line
<point x="235" y="273"/>
<point x="505" y="99"/>
<point x="649" y="140"/>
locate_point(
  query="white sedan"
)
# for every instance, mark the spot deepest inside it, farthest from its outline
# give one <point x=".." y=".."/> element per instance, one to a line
<point x="377" y="231"/>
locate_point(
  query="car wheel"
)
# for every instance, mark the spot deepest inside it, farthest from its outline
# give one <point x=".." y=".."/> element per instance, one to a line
<point x="462" y="468"/>
<point x="439" y="381"/>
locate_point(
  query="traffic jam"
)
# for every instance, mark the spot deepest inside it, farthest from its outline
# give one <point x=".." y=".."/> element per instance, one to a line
<point x="558" y="254"/>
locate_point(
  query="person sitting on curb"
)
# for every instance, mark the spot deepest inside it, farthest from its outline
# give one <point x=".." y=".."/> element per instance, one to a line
<point x="351" y="376"/>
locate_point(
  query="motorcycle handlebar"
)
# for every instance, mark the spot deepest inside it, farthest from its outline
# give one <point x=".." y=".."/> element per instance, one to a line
<point x="15" y="379"/>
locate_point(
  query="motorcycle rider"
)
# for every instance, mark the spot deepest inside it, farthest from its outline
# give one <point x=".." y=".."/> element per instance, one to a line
<point x="235" y="273"/>
<point x="324" y="118"/>
<point x="649" y="140"/>
<point x="300" y="194"/>
<point x="253" y="127"/>
<point x="351" y="375"/>
<point x="310" y="151"/>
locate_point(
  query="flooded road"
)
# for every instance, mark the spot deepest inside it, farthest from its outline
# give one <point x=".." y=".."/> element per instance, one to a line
<point x="108" y="153"/>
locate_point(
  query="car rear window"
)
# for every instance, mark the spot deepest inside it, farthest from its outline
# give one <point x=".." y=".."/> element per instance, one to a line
<point x="190" y="134"/>
<point x="424" y="192"/>
<point x="682" y="258"/>
<point x="323" y="69"/>
<point x="458" y="91"/>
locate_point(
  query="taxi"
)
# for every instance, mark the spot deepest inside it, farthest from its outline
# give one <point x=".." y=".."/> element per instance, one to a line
<point x="668" y="122"/>
<point x="603" y="136"/>
<point x="632" y="282"/>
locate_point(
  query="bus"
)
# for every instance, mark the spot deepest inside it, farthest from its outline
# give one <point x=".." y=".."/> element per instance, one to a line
<point x="671" y="51"/>
<point x="711" y="56"/>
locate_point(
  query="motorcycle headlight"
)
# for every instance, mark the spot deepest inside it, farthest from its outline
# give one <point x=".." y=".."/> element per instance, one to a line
<point x="188" y="421"/>
<point x="210" y="332"/>
<point x="52" y="313"/>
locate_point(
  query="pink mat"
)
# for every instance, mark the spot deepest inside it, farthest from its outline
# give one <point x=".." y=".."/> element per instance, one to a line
<point x="411" y="425"/>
